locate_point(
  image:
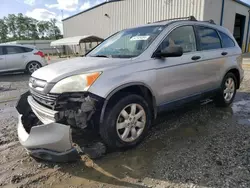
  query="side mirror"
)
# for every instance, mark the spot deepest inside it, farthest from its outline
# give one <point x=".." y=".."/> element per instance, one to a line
<point x="171" y="51"/>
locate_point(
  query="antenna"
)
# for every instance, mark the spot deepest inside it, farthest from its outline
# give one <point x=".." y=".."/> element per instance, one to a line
<point x="62" y="14"/>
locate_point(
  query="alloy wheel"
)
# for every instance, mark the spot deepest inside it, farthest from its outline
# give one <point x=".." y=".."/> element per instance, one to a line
<point x="229" y="89"/>
<point x="131" y="122"/>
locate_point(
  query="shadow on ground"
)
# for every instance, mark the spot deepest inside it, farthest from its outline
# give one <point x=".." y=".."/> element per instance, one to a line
<point x="14" y="77"/>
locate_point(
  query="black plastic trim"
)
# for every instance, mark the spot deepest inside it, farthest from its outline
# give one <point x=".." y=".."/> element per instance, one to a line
<point x="48" y="155"/>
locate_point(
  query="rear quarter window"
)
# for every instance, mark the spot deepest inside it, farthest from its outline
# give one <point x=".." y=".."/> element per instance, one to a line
<point x="26" y="49"/>
<point x="227" y="42"/>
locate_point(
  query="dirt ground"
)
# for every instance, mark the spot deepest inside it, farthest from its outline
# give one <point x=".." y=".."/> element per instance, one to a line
<point x="199" y="146"/>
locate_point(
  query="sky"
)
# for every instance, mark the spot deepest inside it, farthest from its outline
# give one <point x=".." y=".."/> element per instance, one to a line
<point x="47" y="9"/>
<point x="246" y="1"/>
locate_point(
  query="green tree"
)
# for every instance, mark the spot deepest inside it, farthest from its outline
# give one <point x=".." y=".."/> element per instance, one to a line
<point x="43" y="28"/>
<point x="55" y="32"/>
<point x="20" y="27"/>
<point x="32" y="31"/>
<point x="10" y="21"/>
<point x="3" y="31"/>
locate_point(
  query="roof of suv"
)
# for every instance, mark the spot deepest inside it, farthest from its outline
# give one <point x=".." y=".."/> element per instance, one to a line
<point x="189" y="20"/>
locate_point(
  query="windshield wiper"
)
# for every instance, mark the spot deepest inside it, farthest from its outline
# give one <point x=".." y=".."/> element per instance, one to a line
<point x="107" y="56"/>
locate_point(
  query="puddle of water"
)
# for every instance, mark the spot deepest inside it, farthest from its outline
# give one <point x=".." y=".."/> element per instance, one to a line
<point x="136" y="163"/>
<point x="244" y="121"/>
<point x="241" y="106"/>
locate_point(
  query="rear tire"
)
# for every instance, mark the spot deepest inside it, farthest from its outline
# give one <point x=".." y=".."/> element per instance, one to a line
<point x="126" y="122"/>
<point x="33" y="66"/>
<point x="226" y="95"/>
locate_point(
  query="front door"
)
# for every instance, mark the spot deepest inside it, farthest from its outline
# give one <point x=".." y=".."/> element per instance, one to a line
<point x="15" y="57"/>
<point x="180" y="77"/>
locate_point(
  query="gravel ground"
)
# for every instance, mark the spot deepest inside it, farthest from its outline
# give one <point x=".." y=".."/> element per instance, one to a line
<point x="199" y="146"/>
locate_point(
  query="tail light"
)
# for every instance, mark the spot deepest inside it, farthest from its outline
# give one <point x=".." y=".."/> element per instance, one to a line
<point x="40" y="53"/>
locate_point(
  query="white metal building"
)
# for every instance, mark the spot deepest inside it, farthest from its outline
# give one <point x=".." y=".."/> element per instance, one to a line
<point x="114" y="15"/>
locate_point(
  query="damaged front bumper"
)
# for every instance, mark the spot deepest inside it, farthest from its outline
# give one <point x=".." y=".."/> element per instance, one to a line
<point x="42" y="135"/>
<point x="50" y="142"/>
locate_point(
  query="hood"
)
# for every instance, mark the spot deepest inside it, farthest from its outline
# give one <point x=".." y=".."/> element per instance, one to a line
<point x="57" y="71"/>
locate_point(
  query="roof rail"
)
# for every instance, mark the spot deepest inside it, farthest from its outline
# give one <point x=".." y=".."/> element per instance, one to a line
<point x="189" y="18"/>
<point x="210" y="21"/>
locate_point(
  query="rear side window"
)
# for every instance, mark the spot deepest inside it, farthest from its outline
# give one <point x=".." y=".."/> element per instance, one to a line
<point x="209" y="39"/>
<point x="25" y="49"/>
<point x="14" y="50"/>
<point x="182" y="36"/>
<point x="227" y="42"/>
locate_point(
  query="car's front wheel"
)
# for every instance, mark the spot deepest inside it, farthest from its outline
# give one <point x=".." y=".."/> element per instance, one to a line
<point x="126" y="122"/>
<point x="227" y="92"/>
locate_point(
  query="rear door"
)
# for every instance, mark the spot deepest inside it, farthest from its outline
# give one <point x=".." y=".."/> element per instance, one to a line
<point x="15" y="57"/>
<point x="2" y="60"/>
<point x="214" y="58"/>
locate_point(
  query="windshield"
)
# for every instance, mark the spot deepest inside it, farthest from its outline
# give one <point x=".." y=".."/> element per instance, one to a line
<point x="127" y="43"/>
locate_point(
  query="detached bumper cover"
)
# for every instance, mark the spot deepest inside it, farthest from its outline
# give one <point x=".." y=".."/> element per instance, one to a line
<point x="50" y="141"/>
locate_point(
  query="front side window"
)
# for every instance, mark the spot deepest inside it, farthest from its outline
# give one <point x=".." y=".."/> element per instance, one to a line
<point x="128" y="43"/>
<point x="209" y="39"/>
<point x="227" y="42"/>
<point x="182" y="36"/>
<point x="13" y="50"/>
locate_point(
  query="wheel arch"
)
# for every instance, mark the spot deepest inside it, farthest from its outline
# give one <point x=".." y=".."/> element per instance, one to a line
<point x="31" y="62"/>
<point x="135" y="88"/>
<point x="27" y="64"/>
<point x="236" y="73"/>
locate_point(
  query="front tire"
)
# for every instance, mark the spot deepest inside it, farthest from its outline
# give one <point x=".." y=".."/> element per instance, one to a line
<point x="227" y="92"/>
<point x="126" y="122"/>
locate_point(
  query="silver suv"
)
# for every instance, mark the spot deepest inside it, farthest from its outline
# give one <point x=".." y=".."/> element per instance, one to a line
<point x="123" y="83"/>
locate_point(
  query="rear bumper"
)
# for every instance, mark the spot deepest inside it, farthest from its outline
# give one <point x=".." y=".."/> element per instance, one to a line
<point x="51" y="141"/>
<point x="44" y="62"/>
<point x="241" y="75"/>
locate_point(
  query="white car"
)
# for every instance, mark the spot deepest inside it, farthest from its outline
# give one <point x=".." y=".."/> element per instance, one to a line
<point x="15" y="57"/>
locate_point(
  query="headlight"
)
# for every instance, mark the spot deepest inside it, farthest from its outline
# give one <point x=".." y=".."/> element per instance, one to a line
<point x="80" y="82"/>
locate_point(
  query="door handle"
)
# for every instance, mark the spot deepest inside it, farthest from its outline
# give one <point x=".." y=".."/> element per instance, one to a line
<point x="224" y="53"/>
<point x="196" y="58"/>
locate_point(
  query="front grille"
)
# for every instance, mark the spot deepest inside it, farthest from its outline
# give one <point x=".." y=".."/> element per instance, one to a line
<point x="45" y="99"/>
